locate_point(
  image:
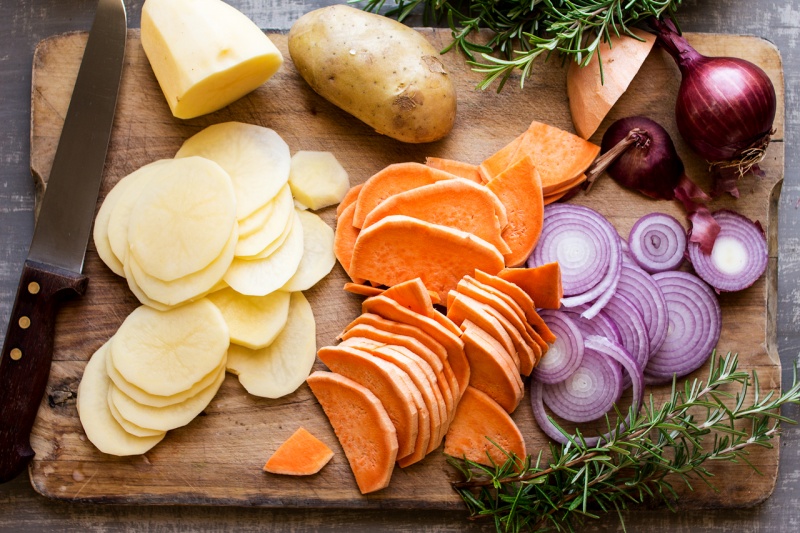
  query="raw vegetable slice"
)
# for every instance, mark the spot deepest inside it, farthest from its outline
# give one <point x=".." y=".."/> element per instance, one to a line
<point x="349" y="198"/>
<point x="553" y="198"/>
<point x="502" y="159"/>
<point x="399" y="248"/>
<point x="434" y="203"/>
<point x="392" y="180"/>
<point x="520" y="190"/>
<point x="184" y="218"/>
<point x="253" y="321"/>
<point x="318" y="258"/>
<point x="362" y="290"/>
<point x="463" y="308"/>
<point x="643" y="292"/>
<point x="344" y="240"/>
<point x="387" y="382"/>
<point x="302" y="454"/>
<point x="165" y="353"/>
<point x="446" y="323"/>
<point x="456" y="168"/>
<point x="256" y="220"/>
<point x="279" y="216"/>
<point x="280" y="368"/>
<point x="566" y="352"/>
<point x="259" y="277"/>
<point x="317" y="179"/>
<point x="542" y="283"/>
<point x="278" y="242"/>
<point x="256" y="158"/>
<point x="480" y="422"/>
<point x="412" y="295"/>
<point x="130" y="427"/>
<point x="362" y="426"/>
<point x="561" y="188"/>
<point x="657" y="242"/>
<point x="139" y="293"/>
<point x="100" y="427"/>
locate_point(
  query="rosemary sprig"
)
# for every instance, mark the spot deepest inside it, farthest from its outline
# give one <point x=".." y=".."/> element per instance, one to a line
<point x="523" y="30"/>
<point x="699" y="422"/>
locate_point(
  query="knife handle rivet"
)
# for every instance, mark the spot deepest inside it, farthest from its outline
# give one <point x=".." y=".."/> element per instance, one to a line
<point x="16" y="354"/>
<point x="33" y="287"/>
<point x="24" y="322"/>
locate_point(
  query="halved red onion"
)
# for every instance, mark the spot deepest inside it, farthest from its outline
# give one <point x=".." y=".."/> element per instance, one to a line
<point x="565" y="355"/>
<point x="739" y="256"/>
<point x="657" y="242"/>
<point x="632" y="329"/>
<point x="589" y="392"/>
<point x="606" y="348"/>
<point x="695" y="322"/>
<point x="640" y="289"/>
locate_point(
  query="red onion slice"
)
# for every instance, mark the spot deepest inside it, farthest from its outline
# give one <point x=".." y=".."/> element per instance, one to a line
<point x="738" y="258"/>
<point x="643" y="292"/>
<point x="599" y="325"/>
<point x="695" y="322"/>
<point x="565" y="355"/>
<point x="657" y="242"/>
<point x="632" y="329"/>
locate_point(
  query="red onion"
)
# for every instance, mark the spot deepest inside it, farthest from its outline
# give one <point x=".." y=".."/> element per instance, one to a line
<point x="600" y="325"/>
<point x="657" y="242"/>
<point x="632" y="329"/>
<point x="643" y="292"/>
<point x="565" y="355"/>
<point x="739" y="256"/>
<point x="725" y="108"/>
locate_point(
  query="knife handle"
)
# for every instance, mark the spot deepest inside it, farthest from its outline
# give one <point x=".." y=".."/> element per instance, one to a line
<point x="26" y="357"/>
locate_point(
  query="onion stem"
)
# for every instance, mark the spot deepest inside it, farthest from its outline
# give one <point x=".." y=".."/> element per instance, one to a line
<point x="636" y="136"/>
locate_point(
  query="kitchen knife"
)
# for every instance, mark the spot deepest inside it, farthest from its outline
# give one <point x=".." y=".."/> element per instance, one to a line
<point x="53" y="268"/>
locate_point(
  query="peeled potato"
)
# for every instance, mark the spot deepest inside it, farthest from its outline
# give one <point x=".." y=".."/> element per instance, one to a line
<point x="130" y="427"/>
<point x="256" y="158"/>
<point x="318" y="257"/>
<point x="280" y="368"/>
<point x="100" y="232"/>
<point x="205" y="54"/>
<point x="253" y="321"/>
<point x="99" y="425"/>
<point x="318" y="179"/>
<point x="277" y="243"/>
<point x="271" y="228"/>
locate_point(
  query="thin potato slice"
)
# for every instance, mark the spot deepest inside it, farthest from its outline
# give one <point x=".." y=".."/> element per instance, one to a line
<point x="318" y="258"/>
<point x="100" y="427"/>
<point x="184" y="218"/>
<point x="130" y="427"/>
<point x="277" y="243"/>
<point x="256" y="220"/>
<point x="280" y="368"/>
<point x="139" y="293"/>
<point x="165" y="353"/>
<point x="253" y="321"/>
<point x="272" y="227"/>
<point x="259" y="277"/>
<point x="317" y="179"/>
<point x="256" y="158"/>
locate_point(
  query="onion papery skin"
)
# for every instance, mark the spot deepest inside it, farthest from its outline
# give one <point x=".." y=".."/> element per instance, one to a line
<point x="639" y="288"/>
<point x="657" y="242"/>
<point x="739" y="232"/>
<point x="695" y="323"/>
<point x="565" y="355"/>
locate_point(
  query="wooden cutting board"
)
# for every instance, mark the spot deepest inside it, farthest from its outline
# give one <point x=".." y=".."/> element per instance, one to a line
<point x="218" y="458"/>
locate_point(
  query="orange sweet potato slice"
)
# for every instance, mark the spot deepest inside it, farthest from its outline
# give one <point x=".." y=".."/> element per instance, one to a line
<point x="344" y="240"/>
<point x="456" y="203"/>
<point x="479" y="422"/>
<point x="361" y="424"/>
<point x="349" y="198"/>
<point x="392" y="180"/>
<point x="520" y="190"/>
<point x="491" y="371"/>
<point x="412" y="295"/>
<point x="465" y="308"/>
<point x="399" y="248"/>
<point x="553" y="198"/>
<point x="386" y="382"/>
<point x="542" y="283"/>
<point x="502" y="159"/>
<point x="446" y="323"/>
<point x="565" y="187"/>
<point x="302" y="454"/>
<point x="362" y="290"/>
<point x="456" y="168"/>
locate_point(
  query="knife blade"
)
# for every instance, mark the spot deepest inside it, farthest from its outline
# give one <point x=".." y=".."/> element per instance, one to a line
<point x="52" y="270"/>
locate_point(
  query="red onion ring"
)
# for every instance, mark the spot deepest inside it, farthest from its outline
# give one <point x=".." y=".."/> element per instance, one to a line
<point x="738" y="258"/>
<point x="599" y="325"/>
<point x="695" y="322"/>
<point x="632" y="329"/>
<point x="657" y="242"/>
<point x="565" y="355"/>
<point x="640" y="289"/>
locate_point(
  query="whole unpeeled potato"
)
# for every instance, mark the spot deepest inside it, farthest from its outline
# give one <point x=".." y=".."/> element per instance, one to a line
<point x="378" y="70"/>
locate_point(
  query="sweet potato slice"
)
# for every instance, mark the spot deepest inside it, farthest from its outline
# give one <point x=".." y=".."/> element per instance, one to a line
<point x="399" y="248"/>
<point x="457" y="168"/>
<point x="480" y="422"/>
<point x="302" y="454"/>
<point x="491" y="371"/>
<point x="553" y="198"/>
<point x="465" y="308"/>
<point x="520" y="190"/>
<point x="412" y="295"/>
<point x="446" y="323"/>
<point x="349" y="198"/>
<point x="344" y="240"/>
<point x="474" y="211"/>
<point x="392" y="180"/>
<point x="542" y="283"/>
<point x="564" y="187"/>
<point x="502" y="159"/>
<point x="362" y="290"/>
<point x="361" y="424"/>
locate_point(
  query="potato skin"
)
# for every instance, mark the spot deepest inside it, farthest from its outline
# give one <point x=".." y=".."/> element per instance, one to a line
<point x="377" y="69"/>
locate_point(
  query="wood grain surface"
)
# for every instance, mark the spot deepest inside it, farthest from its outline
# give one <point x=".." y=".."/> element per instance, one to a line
<point x="217" y="459"/>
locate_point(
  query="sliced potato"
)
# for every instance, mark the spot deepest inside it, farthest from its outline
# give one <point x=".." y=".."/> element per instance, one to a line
<point x="271" y="228"/>
<point x="280" y="368"/>
<point x="139" y="293"/>
<point x="318" y="257"/>
<point x="165" y="353"/>
<point x="130" y="427"/>
<point x="100" y="232"/>
<point x="259" y="277"/>
<point x="253" y="321"/>
<point x="277" y="243"/>
<point x="317" y="179"/>
<point x="100" y="427"/>
<point x="256" y="158"/>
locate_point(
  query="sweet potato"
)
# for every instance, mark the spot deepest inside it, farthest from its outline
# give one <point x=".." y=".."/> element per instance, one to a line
<point x="392" y="180"/>
<point x="491" y="371"/>
<point x="361" y="424"/>
<point x="502" y="159"/>
<point x="412" y="295"/>
<point x="564" y="187"/>
<point x="464" y="308"/>
<point x="344" y="240"/>
<point x="480" y="422"/>
<point x="553" y="198"/>
<point x="457" y="168"/>
<point x="543" y="283"/>
<point x="349" y="198"/>
<point x="455" y="203"/>
<point x="362" y="290"/>
<point x="520" y="190"/>
<point x="400" y="248"/>
<point x="446" y="323"/>
<point x="302" y="454"/>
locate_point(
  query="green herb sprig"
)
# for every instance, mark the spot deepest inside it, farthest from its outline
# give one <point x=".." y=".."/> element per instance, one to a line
<point x="702" y="421"/>
<point x="523" y="30"/>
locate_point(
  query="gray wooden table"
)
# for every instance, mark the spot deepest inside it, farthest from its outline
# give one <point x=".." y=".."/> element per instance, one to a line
<point x="25" y="22"/>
